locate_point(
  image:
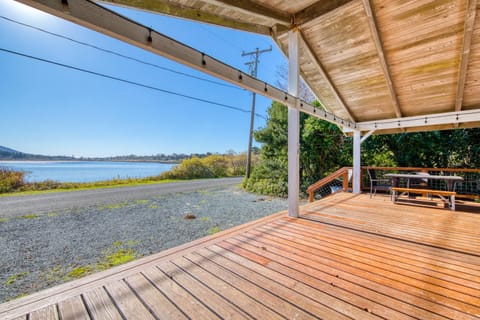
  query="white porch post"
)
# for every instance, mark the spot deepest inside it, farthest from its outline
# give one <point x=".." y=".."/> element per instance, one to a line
<point x="293" y="127"/>
<point x="356" y="161"/>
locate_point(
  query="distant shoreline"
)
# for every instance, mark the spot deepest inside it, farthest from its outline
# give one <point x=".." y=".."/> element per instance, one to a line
<point x="89" y="160"/>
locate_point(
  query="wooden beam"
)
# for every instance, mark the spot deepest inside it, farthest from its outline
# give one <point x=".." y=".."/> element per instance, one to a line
<point x="448" y="118"/>
<point x="311" y="56"/>
<point x="254" y="9"/>
<point x="381" y="55"/>
<point x="316" y="10"/>
<point x="172" y="9"/>
<point x="470" y="16"/>
<point x="100" y="19"/>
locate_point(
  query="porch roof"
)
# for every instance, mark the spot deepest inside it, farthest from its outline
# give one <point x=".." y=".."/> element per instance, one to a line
<point x="371" y="62"/>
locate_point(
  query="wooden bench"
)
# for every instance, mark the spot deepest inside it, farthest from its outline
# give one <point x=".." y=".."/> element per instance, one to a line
<point x="447" y="196"/>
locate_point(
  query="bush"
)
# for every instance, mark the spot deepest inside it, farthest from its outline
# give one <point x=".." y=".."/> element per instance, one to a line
<point x="193" y="168"/>
<point x="11" y="180"/>
<point x="217" y="164"/>
<point x="269" y="177"/>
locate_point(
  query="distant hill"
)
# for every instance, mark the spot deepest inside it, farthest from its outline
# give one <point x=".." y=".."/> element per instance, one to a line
<point x="8" y="150"/>
<point x="10" y="154"/>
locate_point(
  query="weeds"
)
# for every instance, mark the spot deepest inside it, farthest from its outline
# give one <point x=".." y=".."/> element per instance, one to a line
<point x="116" y="258"/>
<point x="113" y="206"/>
<point x="81" y="271"/>
<point x="13" y="278"/>
<point x="29" y="216"/>
<point x="214" y="230"/>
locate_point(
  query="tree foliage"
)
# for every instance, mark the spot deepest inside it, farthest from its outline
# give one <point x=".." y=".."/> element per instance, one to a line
<point x="323" y="149"/>
<point x="435" y="149"/>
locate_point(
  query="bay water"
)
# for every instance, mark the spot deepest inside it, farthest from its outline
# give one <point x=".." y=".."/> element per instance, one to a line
<point x="85" y="171"/>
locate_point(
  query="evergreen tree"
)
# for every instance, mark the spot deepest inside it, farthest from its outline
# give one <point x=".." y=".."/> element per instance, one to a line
<point x="323" y="149"/>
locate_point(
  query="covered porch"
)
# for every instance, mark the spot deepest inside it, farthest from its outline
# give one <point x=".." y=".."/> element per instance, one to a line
<point x="376" y="68"/>
<point x="347" y="257"/>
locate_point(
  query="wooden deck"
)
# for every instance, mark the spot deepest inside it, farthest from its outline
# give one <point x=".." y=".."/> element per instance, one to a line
<point x="349" y="257"/>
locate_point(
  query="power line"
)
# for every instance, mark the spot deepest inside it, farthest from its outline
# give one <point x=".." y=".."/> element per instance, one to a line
<point x="121" y="55"/>
<point x="130" y="82"/>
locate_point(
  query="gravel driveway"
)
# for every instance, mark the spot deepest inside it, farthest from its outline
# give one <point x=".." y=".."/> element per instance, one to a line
<point x="43" y="249"/>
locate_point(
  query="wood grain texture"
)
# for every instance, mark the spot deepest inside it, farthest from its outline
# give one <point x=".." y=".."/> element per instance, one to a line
<point x="347" y="257"/>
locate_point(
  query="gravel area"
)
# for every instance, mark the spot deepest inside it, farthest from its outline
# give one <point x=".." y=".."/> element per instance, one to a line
<point x="46" y="249"/>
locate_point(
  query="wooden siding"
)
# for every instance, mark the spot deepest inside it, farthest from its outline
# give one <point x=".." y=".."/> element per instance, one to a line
<point x="472" y="85"/>
<point x="348" y="257"/>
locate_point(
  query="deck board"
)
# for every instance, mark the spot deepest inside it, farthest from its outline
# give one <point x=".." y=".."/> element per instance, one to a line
<point x="347" y="257"/>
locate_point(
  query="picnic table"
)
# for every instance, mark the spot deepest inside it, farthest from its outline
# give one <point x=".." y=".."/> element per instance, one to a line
<point x="447" y="196"/>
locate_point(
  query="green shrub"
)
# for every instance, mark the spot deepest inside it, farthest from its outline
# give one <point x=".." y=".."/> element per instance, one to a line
<point x="217" y="164"/>
<point x="11" y="180"/>
<point x="269" y="177"/>
<point x="193" y="168"/>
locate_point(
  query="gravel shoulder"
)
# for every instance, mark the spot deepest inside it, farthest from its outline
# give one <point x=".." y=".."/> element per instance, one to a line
<point x="12" y="206"/>
<point x="44" y="248"/>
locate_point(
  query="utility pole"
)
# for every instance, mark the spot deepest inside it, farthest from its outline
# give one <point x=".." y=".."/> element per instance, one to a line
<point x="253" y="67"/>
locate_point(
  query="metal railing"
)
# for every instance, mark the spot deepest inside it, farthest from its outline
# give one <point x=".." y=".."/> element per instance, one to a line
<point x="339" y="180"/>
<point x="469" y="188"/>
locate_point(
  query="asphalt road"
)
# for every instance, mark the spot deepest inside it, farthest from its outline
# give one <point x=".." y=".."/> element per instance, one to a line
<point x="12" y="206"/>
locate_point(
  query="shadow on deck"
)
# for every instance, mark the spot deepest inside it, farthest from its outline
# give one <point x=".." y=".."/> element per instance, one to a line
<point x="349" y="256"/>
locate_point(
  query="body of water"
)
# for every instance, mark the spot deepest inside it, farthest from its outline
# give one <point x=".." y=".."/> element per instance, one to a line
<point x="85" y="171"/>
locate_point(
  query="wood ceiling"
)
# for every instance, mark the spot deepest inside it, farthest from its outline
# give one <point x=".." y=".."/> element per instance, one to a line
<point x="366" y="60"/>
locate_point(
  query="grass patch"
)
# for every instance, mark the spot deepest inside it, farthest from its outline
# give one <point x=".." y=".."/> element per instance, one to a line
<point x="81" y="271"/>
<point x="142" y="201"/>
<point x="117" y="243"/>
<point x="113" y="206"/>
<point x="29" y="216"/>
<point x="13" y="278"/>
<point x="52" y="214"/>
<point x="2" y="220"/>
<point x="204" y="219"/>
<point x="116" y="258"/>
<point x="153" y="206"/>
<point x="214" y="230"/>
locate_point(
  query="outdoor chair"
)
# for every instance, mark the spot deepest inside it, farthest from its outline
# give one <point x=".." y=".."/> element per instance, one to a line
<point x="381" y="184"/>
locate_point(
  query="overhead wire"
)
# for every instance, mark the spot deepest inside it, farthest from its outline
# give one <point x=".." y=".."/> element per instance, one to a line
<point x="223" y="105"/>
<point x="120" y="54"/>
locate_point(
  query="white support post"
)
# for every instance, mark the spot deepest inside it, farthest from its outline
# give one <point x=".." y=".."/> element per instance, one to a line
<point x="356" y="161"/>
<point x="293" y="127"/>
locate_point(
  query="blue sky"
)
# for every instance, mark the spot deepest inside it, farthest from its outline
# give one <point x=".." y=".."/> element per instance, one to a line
<point x="47" y="109"/>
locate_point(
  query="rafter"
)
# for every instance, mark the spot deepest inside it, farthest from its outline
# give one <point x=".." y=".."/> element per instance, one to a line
<point x="381" y="55"/>
<point x="253" y="8"/>
<point x="311" y="56"/>
<point x="169" y="8"/>
<point x="100" y="19"/>
<point x="316" y="10"/>
<point x="470" y="16"/>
